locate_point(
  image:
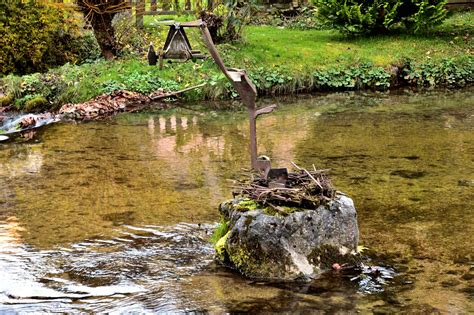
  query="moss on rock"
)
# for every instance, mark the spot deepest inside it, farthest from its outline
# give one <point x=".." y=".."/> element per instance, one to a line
<point x="289" y="243"/>
<point x="246" y="205"/>
<point x="219" y="247"/>
<point x="221" y="230"/>
<point x="36" y="103"/>
<point x="6" y="100"/>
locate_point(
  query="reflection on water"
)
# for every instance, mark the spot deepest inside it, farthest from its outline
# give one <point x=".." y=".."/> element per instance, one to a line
<point x="91" y="214"/>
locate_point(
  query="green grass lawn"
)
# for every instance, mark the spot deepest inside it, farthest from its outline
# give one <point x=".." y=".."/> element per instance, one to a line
<point x="302" y="50"/>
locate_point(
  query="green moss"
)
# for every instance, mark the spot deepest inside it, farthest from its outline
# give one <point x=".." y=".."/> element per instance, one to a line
<point x="247" y="205"/>
<point x="289" y="210"/>
<point x="35" y="103"/>
<point x="220" y="247"/>
<point x="6" y="100"/>
<point x="284" y="211"/>
<point x="242" y="260"/>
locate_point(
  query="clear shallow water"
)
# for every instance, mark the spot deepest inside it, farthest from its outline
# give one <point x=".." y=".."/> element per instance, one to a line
<point x="115" y="216"/>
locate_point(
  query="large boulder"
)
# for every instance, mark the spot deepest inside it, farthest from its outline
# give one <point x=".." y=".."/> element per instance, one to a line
<point x="288" y="244"/>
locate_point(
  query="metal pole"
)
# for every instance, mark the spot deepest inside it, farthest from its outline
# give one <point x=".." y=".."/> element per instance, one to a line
<point x="253" y="137"/>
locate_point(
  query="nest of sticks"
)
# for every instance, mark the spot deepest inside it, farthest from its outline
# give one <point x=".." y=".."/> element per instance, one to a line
<point x="306" y="189"/>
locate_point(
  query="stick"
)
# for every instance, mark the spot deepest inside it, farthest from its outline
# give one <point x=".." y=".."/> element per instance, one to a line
<point x="299" y="168"/>
<point x="176" y="92"/>
<point x="315" y="180"/>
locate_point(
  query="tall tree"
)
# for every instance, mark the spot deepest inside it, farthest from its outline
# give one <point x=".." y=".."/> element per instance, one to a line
<point x="100" y="14"/>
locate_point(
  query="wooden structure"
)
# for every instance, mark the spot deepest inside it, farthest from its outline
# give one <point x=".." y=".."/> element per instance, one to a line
<point x="460" y="3"/>
<point x="177" y="44"/>
<point x="242" y="84"/>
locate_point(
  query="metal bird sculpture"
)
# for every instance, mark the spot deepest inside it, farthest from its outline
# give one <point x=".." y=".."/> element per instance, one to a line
<point x="152" y="57"/>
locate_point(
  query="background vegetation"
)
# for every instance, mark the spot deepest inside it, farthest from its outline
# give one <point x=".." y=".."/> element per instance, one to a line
<point x="37" y="36"/>
<point x="284" y="52"/>
<point x="381" y="16"/>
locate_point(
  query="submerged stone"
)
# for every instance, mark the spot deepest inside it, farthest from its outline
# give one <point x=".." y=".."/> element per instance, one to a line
<point x="300" y="244"/>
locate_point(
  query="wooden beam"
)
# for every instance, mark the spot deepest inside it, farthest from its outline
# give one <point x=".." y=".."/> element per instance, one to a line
<point x="139" y="13"/>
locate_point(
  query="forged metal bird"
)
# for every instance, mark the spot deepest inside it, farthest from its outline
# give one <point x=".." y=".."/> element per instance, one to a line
<point x="263" y="164"/>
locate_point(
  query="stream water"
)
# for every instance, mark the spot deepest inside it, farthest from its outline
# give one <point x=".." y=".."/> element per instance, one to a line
<point x="114" y="216"/>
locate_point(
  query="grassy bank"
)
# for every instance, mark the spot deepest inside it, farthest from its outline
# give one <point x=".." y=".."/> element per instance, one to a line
<point x="280" y="61"/>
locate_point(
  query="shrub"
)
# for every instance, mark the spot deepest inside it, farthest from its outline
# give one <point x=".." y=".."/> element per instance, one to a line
<point x="131" y="40"/>
<point x="227" y="21"/>
<point x="302" y="18"/>
<point x="36" y="36"/>
<point x="381" y="16"/>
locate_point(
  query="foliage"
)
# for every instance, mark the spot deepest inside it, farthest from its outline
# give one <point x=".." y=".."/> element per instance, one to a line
<point x="449" y="72"/>
<point x="214" y="23"/>
<point x="363" y="76"/>
<point x="303" y="18"/>
<point x="37" y="36"/>
<point x="34" y="102"/>
<point x="381" y="16"/>
<point x="229" y="19"/>
<point x="221" y="230"/>
<point x="267" y="79"/>
<point x="130" y="39"/>
<point x="144" y="83"/>
<point x="279" y="61"/>
<point x="99" y="14"/>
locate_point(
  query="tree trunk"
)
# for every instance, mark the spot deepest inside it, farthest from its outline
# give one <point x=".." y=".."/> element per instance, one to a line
<point x="104" y="33"/>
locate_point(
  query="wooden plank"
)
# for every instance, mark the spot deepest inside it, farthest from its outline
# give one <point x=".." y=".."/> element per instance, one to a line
<point x="139" y="13"/>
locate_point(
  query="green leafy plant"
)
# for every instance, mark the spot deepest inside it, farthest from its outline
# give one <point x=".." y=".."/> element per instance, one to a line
<point x="221" y="229"/>
<point x="448" y="72"/>
<point x="139" y="82"/>
<point x="303" y="18"/>
<point x="352" y="78"/>
<point x="381" y="16"/>
<point x="266" y="79"/>
<point x="228" y="19"/>
<point x="37" y="35"/>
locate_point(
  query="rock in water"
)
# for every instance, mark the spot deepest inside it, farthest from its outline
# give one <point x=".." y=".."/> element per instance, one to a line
<point x="297" y="244"/>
